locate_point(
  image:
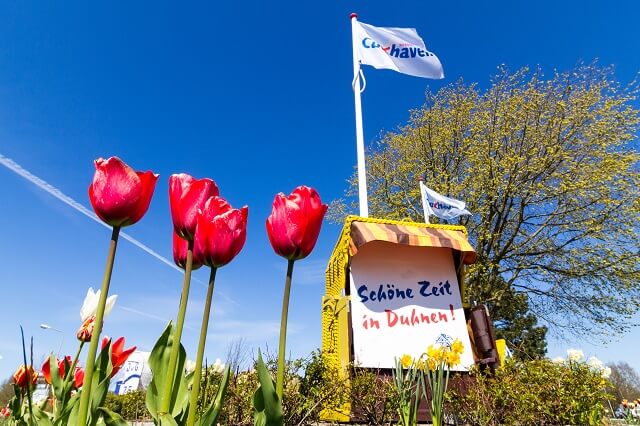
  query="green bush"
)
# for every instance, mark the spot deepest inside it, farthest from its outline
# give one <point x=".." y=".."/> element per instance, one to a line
<point x="131" y="406"/>
<point x="374" y="398"/>
<point x="309" y="386"/>
<point x="537" y="392"/>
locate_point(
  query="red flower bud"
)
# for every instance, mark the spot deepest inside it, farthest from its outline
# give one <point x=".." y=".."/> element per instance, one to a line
<point x="118" y="354"/>
<point x="180" y="247"/>
<point x="46" y="368"/>
<point x="25" y="375"/>
<point x="221" y="232"/>
<point x="86" y="329"/>
<point x="294" y="224"/>
<point x="5" y="412"/>
<point x="119" y="195"/>
<point x="187" y="195"/>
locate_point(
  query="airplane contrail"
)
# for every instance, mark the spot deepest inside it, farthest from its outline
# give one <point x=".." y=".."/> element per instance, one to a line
<point x="16" y="168"/>
<point x="45" y="186"/>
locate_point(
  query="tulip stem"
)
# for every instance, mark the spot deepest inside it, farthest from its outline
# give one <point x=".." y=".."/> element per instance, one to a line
<point x="85" y="394"/>
<point x="195" y="388"/>
<point x="177" y="335"/>
<point x="71" y="373"/>
<point x="283" y="331"/>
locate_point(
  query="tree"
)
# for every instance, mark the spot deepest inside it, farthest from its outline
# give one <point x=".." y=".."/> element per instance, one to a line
<point x="513" y="322"/>
<point x="625" y="381"/>
<point x="549" y="169"/>
<point x="6" y="392"/>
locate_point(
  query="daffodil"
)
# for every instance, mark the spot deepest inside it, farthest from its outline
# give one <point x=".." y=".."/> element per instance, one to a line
<point x="575" y="355"/>
<point x="90" y="304"/>
<point x="406" y="360"/>
<point x="431" y="363"/>
<point x="431" y="352"/>
<point x="457" y="346"/>
<point x="453" y="359"/>
<point x="218" y="366"/>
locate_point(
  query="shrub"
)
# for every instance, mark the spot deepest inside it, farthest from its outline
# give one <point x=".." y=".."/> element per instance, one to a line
<point x="309" y="386"/>
<point x="131" y="406"/>
<point x="373" y="396"/>
<point x="537" y="392"/>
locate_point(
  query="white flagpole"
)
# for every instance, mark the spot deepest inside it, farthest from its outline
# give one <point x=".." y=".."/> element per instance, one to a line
<point x="424" y="202"/>
<point x="362" y="172"/>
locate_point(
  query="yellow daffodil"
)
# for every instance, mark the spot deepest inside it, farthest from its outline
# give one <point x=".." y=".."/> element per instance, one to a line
<point x="453" y="358"/>
<point x="406" y="360"/>
<point x="457" y="346"/>
<point x="431" y="352"/>
<point x="431" y="363"/>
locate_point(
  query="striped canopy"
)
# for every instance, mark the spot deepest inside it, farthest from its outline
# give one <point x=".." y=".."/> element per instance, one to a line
<point x="411" y="234"/>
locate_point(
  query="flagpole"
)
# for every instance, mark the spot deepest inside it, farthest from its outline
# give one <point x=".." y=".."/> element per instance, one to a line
<point x="362" y="173"/>
<point x="424" y="201"/>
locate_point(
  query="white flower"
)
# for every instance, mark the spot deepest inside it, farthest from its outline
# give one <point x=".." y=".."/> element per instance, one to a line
<point x="575" y="355"/>
<point x="595" y="363"/>
<point x="558" y="360"/>
<point x="90" y="304"/>
<point x="606" y="373"/>
<point x="189" y="366"/>
<point x="218" y="366"/>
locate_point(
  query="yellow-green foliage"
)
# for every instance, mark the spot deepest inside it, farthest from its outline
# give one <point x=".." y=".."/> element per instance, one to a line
<point x="549" y="169"/>
<point x="131" y="406"/>
<point x="534" y="392"/>
<point x="310" y="386"/>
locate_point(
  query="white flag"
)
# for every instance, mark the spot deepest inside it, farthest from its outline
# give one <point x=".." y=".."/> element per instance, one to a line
<point x="441" y="206"/>
<point x="398" y="49"/>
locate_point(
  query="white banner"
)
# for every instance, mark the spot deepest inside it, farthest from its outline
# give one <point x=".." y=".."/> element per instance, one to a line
<point x="404" y="299"/>
<point x="129" y="378"/>
<point x="398" y="49"/>
<point x="441" y="206"/>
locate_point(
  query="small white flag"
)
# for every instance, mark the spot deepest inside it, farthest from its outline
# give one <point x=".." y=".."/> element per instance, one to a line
<point x="440" y="206"/>
<point x="398" y="49"/>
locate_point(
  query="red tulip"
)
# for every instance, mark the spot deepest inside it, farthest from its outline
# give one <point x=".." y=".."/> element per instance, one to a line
<point x="24" y="375"/>
<point x="220" y="232"/>
<point x="119" y="195"/>
<point x="118" y="354"/>
<point x="187" y="195"/>
<point x="86" y="329"/>
<point x="46" y="368"/>
<point x="180" y="253"/>
<point x="5" y="412"/>
<point x="78" y="377"/>
<point x="295" y="221"/>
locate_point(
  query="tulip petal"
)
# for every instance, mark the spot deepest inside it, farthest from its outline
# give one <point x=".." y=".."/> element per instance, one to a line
<point x="220" y="232"/>
<point x="111" y="300"/>
<point x="186" y="197"/>
<point x="119" y="195"/>
<point x="295" y="221"/>
<point x="180" y="249"/>
<point x="90" y="304"/>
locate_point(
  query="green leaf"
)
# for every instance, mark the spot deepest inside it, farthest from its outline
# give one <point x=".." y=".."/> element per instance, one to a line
<point x="100" y="383"/>
<point x="56" y="381"/>
<point x="110" y="418"/>
<point x="158" y="362"/>
<point x="266" y="404"/>
<point x="69" y="413"/>
<point x="167" y="420"/>
<point x="42" y="418"/>
<point x="210" y="417"/>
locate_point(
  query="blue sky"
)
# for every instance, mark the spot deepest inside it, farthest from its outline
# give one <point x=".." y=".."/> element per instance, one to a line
<point x="256" y="96"/>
